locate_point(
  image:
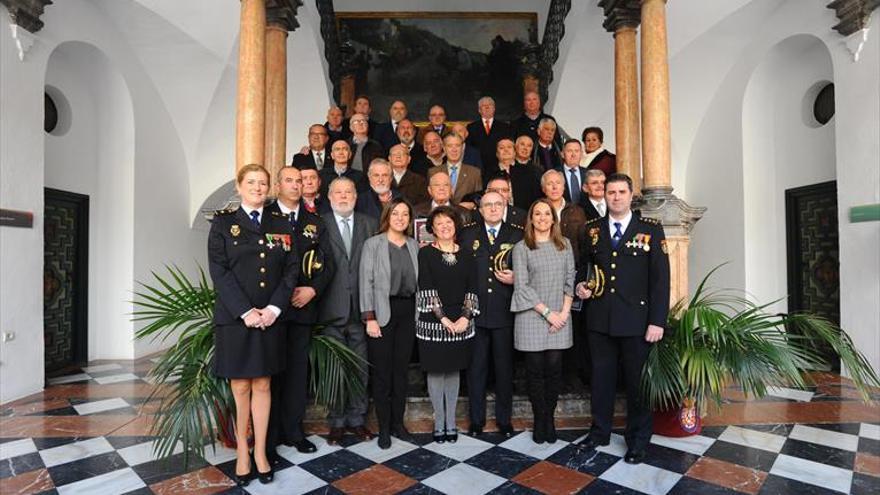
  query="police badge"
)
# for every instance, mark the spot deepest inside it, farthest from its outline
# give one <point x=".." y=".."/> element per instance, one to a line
<point x="235" y="230"/>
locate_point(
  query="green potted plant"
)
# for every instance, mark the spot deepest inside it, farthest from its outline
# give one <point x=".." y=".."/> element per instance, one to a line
<point x="197" y="406"/>
<point x="719" y="338"/>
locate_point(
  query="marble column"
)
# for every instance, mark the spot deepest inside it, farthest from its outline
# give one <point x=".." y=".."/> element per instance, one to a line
<point x="626" y="105"/>
<point x="276" y="98"/>
<point x="656" y="156"/>
<point x="250" y="126"/>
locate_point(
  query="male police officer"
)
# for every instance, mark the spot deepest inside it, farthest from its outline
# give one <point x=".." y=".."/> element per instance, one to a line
<point x="628" y="291"/>
<point x="491" y="240"/>
<point x="316" y="270"/>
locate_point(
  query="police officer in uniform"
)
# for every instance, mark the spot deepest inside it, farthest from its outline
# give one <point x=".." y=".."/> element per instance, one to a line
<point x="311" y="240"/>
<point x="491" y="240"/>
<point x="625" y="276"/>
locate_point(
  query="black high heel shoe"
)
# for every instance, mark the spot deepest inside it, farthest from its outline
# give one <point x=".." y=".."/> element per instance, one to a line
<point x="243" y="480"/>
<point x="266" y="478"/>
<point x="439" y="436"/>
<point x="452" y="435"/>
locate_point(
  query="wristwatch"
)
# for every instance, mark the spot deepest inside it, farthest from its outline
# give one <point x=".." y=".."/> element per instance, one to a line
<point x="545" y="312"/>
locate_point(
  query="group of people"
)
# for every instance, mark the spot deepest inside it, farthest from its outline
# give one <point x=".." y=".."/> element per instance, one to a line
<point x="463" y="242"/>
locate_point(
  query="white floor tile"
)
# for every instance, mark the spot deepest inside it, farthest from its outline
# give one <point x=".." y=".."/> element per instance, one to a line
<point x="16" y="448"/>
<point x="123" y="377"/>
<point x="79" y="377"/>
<point x="465" y="448"/>
<point x="121" y="481"/>
<point x="615" y="447"/>
<point x="290" y="481"/>
<point x="463" y="479"/>
<point x="371" y="450"/>
<point x="641" y="477"/>
<point x="75" y="451"/>
<point x="100" y="406"/>
<point x="696" y="444"/>
<point x="814" y="473"/>
<point x="870" y="431"/>
<point x="752" y="438"/>
<point x="143" y="452"/>
<point x="294" y="456"/>
<point x="102" y="367"/>
<point x="218" y="454"/>
<point x="524" y="444"/>
<point x="828" y="438"/>
<point x="790" y="393"/>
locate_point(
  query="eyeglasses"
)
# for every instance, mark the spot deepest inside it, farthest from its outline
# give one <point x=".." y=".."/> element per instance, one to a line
<point x="499" y="190"/>
<point x="493" y="204"/>
<point x="317" y="134"/>
<point x="359" y="121"/>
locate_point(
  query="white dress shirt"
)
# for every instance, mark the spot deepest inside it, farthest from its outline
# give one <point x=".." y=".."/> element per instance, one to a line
<point x="624" y="223"/>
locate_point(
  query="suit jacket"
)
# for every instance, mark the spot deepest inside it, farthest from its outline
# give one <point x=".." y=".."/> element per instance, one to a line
<point x="328" y="173"/>
<point x="572" y="223"/>
<point x="636" y="290"/>
<point x="414" y="187"/>
<point x="605" y="161"/>
<point x="247" y="268"/>
<point x="341" y="298"/>
<point x="301" y="160"/>
<point x="588" y="207"/>
<point x="386" y="135"/>
<point x="472" y="156"/>
<point x="525" y="183"/>
<point x="547" y="163"/>
<point x="422" y="165"/>
<point x="322" y="205"/>
<point x="343" y="134"/>
<point x="486" y="143"/>
<point x="375" y="277"/>
<point x="523" y="125"/>
<point x="582" y="176"/>
<point x="515" y="216"/>
<point x="494" y="297"/>
<point x="469" y="180"/>
<point x="445" y="129"/>
<point x="316" y="267"/>
<point x="422" y="210"/>
<point x="372" y="149"/>
<point x="369" y="204"/>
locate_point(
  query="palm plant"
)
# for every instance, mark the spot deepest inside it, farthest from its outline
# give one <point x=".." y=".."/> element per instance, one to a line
<point x="719" y="338"/>
<point x="198" y="404"/>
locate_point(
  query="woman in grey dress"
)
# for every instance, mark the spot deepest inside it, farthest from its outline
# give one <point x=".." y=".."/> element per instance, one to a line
<point x="543" y="264"/>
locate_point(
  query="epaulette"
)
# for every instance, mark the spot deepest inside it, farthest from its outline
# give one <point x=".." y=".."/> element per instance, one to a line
<point x="278" y="214"/>
<point x="593" y="220"/>
<point x="652" y="221"/>
<point x="471" y="224"/>
<point x="516" y="225"/>
<point x="227" y="211"/>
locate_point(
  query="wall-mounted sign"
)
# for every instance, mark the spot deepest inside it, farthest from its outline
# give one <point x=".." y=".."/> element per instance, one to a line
<point x="16" y="218"/>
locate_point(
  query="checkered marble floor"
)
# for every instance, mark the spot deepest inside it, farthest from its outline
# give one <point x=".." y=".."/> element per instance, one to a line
<point x="89" y="433"/>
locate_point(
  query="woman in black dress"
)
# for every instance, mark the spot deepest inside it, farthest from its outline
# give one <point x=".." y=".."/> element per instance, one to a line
<point x="447" y="304"/>
<point x="254" y="267"/>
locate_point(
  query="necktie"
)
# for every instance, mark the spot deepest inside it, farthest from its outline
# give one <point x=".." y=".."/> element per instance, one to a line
<point x="601" y="209"/>
<point x="487" y="126"/>
<point x="492" y="233"/>
<point x="255" y="217"/>
<point x="293" y="219"/>
<point x="574" y="186"/>
<point x="453" y="176"/>
<point x="548" y="162"/>
<point x="346" y="235"/>
<point x="615" y="240"/>
<point x="319" y="159"/>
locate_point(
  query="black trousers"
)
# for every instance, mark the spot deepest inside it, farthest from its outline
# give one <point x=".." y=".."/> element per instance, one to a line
<point x="498" y="341"/>
<point x="605" y="352"/>
<point x="289" y="389"/>
<point x="389" y="359"/>
<point x="544" y="373"/>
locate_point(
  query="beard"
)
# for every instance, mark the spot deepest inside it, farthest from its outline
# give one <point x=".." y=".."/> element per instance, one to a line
<point x="380" y="190"/>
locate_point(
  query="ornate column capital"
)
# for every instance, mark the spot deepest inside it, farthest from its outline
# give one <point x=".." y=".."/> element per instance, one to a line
<point x="853" y="14"/>
<point x="26" y="13"/>
<point x="676" y="216"/>
<point x="283" y="13"/>
<point x="621" y="14"/>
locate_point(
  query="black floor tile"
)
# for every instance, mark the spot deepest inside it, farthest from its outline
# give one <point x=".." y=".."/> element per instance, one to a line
<point x="777" y="485"/>
<point x="819" y="453"/>
<point x="712" y="431"/>
<point x="163" y="469"/>
<point x="420" y="464"/>
<point x="326" y="490"/>
<point x="782" y="430"/>
<point x="14" y="466"/>
<point x="51" y="442"/>
<point x="513" y="488"/>
<point x="62" y="411"/>
<point x="744" y="456"/>
<point x="590" y="462"/>
<point x="89" y="467"/>
<point x="123" y="442"/>
<point x="337" y="465"/>
<point x="669" y="459"/>
<point x="687" y="486"/>
<point x="869" y="446"/>
<point x="602" y="487"/>
<point x="863" y="484"/>
<point x="502" y="462"/>
<point x="850" y="428"/>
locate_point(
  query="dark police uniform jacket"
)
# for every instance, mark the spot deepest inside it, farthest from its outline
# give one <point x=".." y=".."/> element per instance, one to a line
<point x="316" y="268"/>
<point x="252" y="267"/>
<point x="635" y="292"/>
<point x="494" y="296"/>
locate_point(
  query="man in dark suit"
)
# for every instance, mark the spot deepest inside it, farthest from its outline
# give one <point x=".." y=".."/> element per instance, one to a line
<point x="337" y="127"/>
<point x="363" y="106"/>
<point x="312" y="242"/>
<point x="340" y="152"/>
<point x="471" y="154"/>
<point x="626" y="315"/>
<point x="465" y="178"/>
<point x="339" y="307"/>
<point x="547" y="153"/>
<point x="386" y="132"/>
<point x="527" y="123"/>
<point x="432" y="145"/>
<point x="500" y="184"/>
<point x="436" y="123"/>
<point x="411" y="185"/>
<point x="525" y="184"/>
<point x="440" y="191"/>
<point x="312" y="200"/>
<point x="406" y="135"/>
<point x="485" y="132"/>
<point x="575" y="176"/>
<point x="490" y="240"/>
<point x="381" y="191"/>
<point x="317" y="154"/>
<point x="363" y="148"/>
<point x="596" y="156"/>
<point x="593" y="201"/>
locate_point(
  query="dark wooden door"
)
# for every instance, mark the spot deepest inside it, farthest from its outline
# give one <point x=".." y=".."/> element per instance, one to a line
<point x="813" y="252"/>
<point x="65" y="279"/>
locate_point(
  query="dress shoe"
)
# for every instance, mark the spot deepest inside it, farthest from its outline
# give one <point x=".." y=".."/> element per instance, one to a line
<point x="592" y="443"/>
<point x="475" y="430"/>
<point x="439" y="437"/>
<point x="506" y="430"/>
<point x="335" y="436"/>
<point x="303" y="446"/>
<point x="452" y="435"/>
<point x="384" y="440"/>
<point x="361" y="432"/>
<point x="402" y="433"/>
<point x="550" y="430"/>
<point x="634" y="456"/>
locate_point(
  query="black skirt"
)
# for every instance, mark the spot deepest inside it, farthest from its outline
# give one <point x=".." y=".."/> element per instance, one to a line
<point x="443" y="357"/>
<point x="242" y="352"/>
